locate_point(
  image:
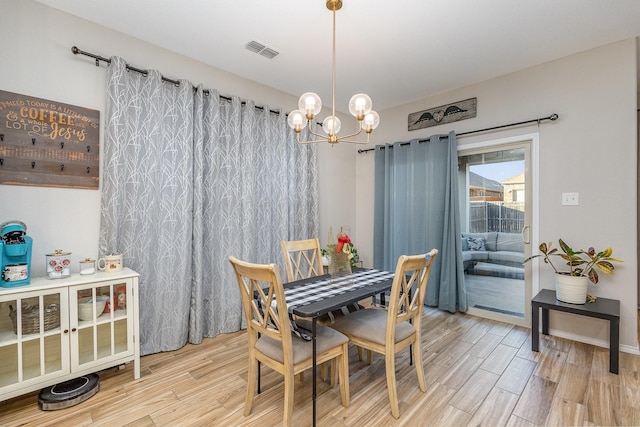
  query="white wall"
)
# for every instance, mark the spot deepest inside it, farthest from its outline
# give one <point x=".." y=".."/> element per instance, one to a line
<point x="591" y="149"/>
<point x="336" y="167"/>
<point x="37" y="61"/>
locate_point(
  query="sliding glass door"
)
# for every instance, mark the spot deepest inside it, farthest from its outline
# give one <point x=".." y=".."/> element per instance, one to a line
<point x="495" y="218"/>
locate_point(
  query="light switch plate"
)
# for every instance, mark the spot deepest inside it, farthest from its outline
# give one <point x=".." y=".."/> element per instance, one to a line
<point x="570" y="199"/>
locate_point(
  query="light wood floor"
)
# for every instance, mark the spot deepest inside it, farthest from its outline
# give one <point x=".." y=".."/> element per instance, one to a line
<point x="479" y="373"/>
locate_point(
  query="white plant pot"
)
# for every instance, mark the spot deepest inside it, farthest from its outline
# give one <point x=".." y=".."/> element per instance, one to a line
<point x="571" y="289"/>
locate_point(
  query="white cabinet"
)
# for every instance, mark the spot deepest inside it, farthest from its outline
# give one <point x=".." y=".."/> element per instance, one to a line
<point x="54" y="330"/>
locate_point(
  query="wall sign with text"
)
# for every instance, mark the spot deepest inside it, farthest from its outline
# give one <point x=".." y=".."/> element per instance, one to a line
<point x="48" y="143"/>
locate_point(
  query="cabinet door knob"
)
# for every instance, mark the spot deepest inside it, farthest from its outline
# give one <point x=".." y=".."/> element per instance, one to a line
<point x="73" y="329"/>
<point x="66" y="331"/>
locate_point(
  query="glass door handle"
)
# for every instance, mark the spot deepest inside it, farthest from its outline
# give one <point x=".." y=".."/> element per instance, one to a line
<point x="525" y="234"/>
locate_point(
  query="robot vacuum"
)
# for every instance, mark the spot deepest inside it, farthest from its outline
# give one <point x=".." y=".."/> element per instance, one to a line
<point x="68" y="393"/>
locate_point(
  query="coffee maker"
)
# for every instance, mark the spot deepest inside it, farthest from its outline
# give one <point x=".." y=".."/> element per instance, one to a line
<point x="15" y="253"/>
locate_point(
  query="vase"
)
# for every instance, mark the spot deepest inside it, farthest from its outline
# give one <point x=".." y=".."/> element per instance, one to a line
<point x="339" y="264"/>
<point x="571" y="289"/>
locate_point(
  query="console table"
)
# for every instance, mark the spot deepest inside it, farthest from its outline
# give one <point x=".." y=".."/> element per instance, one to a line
<point x="602" y="308"/>
<point x="48" y="339"/>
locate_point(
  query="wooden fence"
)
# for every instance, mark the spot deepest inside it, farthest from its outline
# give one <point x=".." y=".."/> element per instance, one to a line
<point x="506" y="217"/>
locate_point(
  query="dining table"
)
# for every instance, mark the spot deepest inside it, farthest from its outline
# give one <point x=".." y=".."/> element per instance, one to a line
<point x="313" y="297"/>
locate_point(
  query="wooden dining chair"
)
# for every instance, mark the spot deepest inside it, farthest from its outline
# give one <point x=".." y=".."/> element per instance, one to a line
<point x="389" y="331"/>
<point x="302" y="258"/>
<point x="271" y="341"/>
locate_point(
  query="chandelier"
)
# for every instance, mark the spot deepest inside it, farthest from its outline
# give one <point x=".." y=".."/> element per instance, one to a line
<point x="310" y="105"/>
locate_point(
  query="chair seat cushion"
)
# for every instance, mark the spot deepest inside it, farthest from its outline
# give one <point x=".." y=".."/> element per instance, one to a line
<point x="371" y="325"/>
<point x="326" y="338"/>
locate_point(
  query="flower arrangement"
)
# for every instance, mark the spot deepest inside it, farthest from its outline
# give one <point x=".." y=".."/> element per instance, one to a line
<point x="343" y="243"/>
<point x="343" y="251"/>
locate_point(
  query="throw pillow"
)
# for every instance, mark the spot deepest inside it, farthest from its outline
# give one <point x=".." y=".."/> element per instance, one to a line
<point x="476" y="244"/>
<point x="465" y="244"/>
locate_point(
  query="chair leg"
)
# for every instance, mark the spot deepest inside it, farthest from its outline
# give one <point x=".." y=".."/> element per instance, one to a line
<point x="252" y="382"/>
<point x="323" y="371"/>
<point x="288" y="398"/>
<point x="359" y="353"/>
<point x="417" y="358"/>
<point x="343" y="362"/>
<point x="369" y="357"/>
<point x="390" y="365"/>
<point x="334" y="371"/>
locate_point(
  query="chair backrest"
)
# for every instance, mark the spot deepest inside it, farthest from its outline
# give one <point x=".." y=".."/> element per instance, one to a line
<point x="408" y="289"/>
<point x="302" y="258"/>
<point x="260" y="287"/>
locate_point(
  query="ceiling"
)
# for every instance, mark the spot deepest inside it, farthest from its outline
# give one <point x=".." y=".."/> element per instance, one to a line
<point x="396" y="51"/>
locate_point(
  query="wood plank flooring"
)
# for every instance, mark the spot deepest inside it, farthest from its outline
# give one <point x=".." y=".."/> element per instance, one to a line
<point x="479" y="373"/>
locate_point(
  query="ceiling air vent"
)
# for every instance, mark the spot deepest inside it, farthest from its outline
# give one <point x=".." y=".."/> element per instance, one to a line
<point x="261" y="49"/>
<point x="268" y="53"/>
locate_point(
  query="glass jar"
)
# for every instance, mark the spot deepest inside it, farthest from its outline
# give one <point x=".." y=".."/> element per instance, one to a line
<point x="88" y="266"/>
<point x="58" y="264"/>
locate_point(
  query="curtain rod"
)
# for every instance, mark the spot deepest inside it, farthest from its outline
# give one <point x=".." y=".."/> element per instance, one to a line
<point x="552" y="117"/>
<point x="99" y="58"/>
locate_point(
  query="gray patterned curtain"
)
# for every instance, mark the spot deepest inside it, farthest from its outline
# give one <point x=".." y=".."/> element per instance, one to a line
<point x="416" y="209"/>
<point x="188" y="180"/>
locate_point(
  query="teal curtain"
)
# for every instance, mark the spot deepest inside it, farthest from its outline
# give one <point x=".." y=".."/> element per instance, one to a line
<point x="416" y="209"/>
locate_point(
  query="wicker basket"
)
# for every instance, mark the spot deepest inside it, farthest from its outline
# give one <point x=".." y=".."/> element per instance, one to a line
<point x="31" y="318"/>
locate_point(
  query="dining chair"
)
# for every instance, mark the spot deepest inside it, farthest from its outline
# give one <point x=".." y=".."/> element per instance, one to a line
<point x="302" y="258"/>
<point x="389" y="331"/>
<point x="271" y="341"/>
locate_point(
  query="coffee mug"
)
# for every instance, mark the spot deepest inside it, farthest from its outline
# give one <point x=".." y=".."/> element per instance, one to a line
<point x="110" y="263"/>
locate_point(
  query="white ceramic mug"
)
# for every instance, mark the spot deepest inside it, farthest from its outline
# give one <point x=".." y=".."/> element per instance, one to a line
<point x="110" y="263"/>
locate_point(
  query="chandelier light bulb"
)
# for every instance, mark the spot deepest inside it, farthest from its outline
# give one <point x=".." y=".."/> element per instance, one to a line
<point x="371" y="121"/>
<point x="331" y="125"/>
<point x="297" y="120"/>
<point x="359" y="105"/>
<point x="310" y="103"/>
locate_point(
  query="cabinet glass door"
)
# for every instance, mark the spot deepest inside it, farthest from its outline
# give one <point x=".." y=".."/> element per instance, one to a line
<point x="32" y="341"/>
<point x="8" y="344"/>
<point x="102" y="322"/>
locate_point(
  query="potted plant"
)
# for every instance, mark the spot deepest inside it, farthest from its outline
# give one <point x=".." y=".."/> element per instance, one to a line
<point x="571" y="285"/>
